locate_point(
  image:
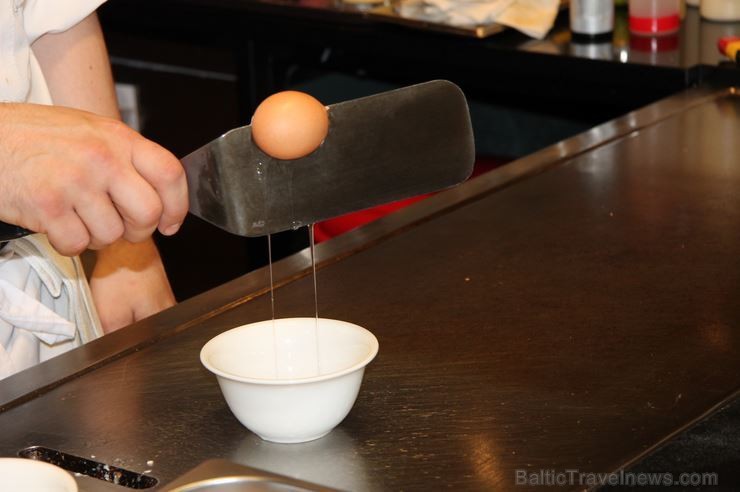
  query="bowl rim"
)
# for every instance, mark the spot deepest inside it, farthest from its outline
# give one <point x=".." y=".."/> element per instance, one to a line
<point x="28" y="465"/>
<point x="374" y="346"/>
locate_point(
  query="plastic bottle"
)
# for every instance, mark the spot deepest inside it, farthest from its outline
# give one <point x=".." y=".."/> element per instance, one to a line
<point x="654" y="17"/>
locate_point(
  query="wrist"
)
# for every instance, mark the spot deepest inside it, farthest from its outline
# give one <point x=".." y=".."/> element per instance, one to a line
<point x="131" y="256"/>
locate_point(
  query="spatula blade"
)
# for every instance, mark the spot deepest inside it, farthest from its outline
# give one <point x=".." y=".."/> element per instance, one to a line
<point x="379" y="149"/>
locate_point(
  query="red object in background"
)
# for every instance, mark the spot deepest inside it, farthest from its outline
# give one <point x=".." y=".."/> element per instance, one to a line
<point x="339" y="225"/>
<point x="729" y="46"/>
<point x="655" y="25"/>
<point x="724" y="41"/>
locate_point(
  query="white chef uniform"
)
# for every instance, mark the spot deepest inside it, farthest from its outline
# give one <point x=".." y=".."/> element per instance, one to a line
<point x="45" y="302"/>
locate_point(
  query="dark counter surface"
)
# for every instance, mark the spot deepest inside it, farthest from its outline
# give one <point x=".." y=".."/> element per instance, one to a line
<point x="573" y="310"/>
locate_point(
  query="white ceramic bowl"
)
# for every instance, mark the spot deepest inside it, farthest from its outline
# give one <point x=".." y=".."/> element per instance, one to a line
<point x="26" y="474"/>
<point x="283" y="382"/>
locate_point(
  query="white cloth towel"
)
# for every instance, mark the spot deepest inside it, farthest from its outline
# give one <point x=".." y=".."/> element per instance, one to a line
<point x="20" y="310"/>
<point x="534" y="18"/>
<point x="468" y="12"/>
<point x="45" y="306"/>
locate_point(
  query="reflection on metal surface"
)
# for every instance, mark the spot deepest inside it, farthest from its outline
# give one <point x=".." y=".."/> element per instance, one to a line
<point x="624" y="55"/>
<point x="332" y="456"/>
<point x="561" y="148"/>
<point x="655" y="50"/>
<point x="593" y="50"/>
<point x="239" y="484"/>
<point x="225" y="476"/>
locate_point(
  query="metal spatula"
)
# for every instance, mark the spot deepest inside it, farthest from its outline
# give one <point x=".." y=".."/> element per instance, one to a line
<point x="379" y="149"/>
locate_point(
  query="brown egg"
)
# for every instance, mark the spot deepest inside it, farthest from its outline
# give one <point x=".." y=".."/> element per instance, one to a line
<point x="289" y="125"/>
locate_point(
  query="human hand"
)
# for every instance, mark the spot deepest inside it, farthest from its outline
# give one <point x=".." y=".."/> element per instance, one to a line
<point x="129" y="283"/>
<point x="84" y="180"/>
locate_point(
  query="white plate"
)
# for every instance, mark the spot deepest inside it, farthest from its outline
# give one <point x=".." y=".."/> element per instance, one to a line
<point x="18" y="474"/>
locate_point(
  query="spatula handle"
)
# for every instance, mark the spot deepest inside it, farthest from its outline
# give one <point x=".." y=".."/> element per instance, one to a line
<point x="10" y="231"/>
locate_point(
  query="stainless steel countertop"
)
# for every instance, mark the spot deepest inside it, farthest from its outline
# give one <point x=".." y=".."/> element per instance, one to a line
<point x="573" y="309"/>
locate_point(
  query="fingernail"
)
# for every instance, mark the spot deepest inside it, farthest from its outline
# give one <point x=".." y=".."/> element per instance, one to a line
<point x="172" y="229"/>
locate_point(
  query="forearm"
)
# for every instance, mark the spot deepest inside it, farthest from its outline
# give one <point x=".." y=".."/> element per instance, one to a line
<point x="77" y="69"/>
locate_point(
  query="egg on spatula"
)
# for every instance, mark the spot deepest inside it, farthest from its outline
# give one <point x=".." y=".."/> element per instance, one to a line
<point x="289" y="125"/>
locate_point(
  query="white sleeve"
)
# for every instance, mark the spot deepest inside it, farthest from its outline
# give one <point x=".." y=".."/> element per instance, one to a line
<point x="43" y="16"/>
